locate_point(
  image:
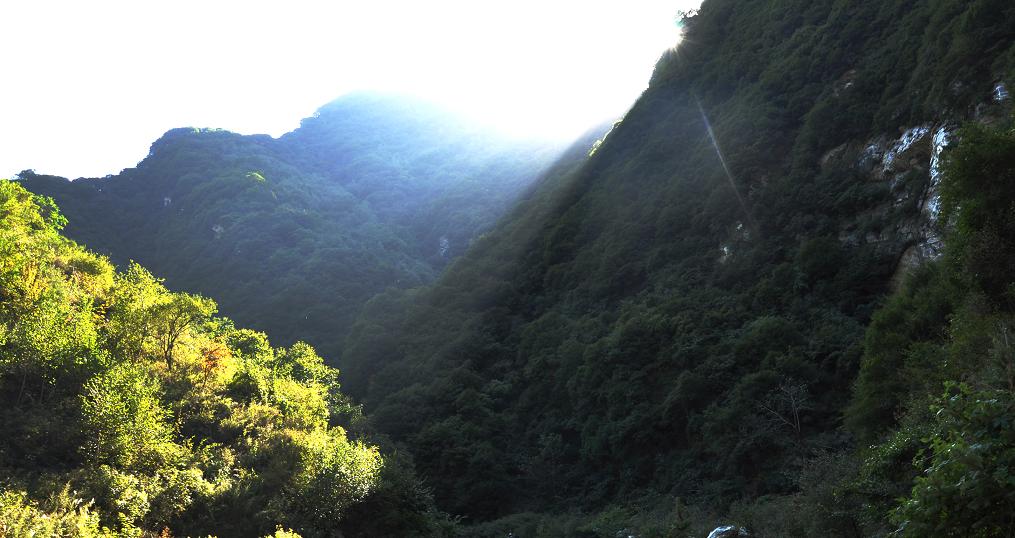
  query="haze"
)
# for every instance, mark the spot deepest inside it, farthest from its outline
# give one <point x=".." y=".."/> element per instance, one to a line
<point x="89" y="85"/>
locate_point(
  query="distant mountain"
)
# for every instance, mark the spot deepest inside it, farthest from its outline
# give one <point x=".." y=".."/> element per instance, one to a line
<point x="292" y="235"/>
<point x="680" y="320"/>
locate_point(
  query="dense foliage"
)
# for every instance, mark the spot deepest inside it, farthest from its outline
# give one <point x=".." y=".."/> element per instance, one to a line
<point x="647" y="326"/>
<point x="129" y="410"/>
<point x="292" y="235"/>
<point x="951" y="385"/>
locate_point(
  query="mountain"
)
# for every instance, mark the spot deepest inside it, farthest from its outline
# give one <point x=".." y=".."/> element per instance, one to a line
<point x="671" y="332"/>
<point x="292" y="235"/>
<point x="777" y="296"/>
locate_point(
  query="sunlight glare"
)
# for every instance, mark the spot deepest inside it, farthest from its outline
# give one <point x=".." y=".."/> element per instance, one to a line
<point x="92" y="84"/>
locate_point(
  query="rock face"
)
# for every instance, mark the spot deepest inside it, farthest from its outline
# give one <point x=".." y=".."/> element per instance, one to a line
<point x="728" y="531"/>
<point x="906" y="152"/>
<point x="908" y="164"/>
<point x="1001" y="93"/>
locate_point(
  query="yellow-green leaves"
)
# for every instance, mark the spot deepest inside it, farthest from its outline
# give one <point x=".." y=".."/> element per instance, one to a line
<point x="127" y="423"/>
<point x="165" y="416"/>
<point x="64" y="516"/>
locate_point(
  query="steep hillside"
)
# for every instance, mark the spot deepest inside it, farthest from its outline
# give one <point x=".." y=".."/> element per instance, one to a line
<point x="684" y="314"/>
<point x="292" y="235"/>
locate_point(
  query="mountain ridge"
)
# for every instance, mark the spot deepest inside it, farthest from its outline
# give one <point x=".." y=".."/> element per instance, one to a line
<point x="371" y="198"/>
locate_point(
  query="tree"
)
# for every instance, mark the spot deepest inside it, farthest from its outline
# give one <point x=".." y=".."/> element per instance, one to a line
<point x="968" y="482"/>
<point x="785" y="405"/>
<point x="328" y="474"/>
<point x="131" y="307"/>
<point x="127" y="423"/>
<point x="174" y="316"/>
<point x="980" y="191"/>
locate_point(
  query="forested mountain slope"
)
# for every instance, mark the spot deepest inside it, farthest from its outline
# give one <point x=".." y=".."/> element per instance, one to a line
<point x="684" y="314"/>
<point x="292" y="235"/>
<point x="129" y="410"/>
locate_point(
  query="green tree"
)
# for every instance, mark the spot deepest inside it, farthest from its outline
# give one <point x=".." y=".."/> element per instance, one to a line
<point x="174" y="316"/>
<point x="980" y="193"/>
<point x="131" y="325"/>
<point x="129" y="427"/>
<point x="329" y="474"/>
<point x="967" y="487"/>
<point x="64" y="516"/>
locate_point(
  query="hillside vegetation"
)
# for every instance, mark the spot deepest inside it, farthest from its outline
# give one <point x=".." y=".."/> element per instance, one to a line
<point x="129" y="410"/>
<point x="671" y="334"/>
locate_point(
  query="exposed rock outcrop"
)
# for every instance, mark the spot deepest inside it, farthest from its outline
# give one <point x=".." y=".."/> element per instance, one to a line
<point x="728" y="531"/>
<point x="907" y="224"/>
<point x="1001" y="93"/>
<point x="908" y="168"/>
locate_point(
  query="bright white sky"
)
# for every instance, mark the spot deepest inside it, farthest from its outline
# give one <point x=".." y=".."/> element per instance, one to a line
<point x="89" y="85"/>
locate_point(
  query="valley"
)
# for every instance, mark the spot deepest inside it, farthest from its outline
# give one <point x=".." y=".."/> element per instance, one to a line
<point x="774" y="299"/>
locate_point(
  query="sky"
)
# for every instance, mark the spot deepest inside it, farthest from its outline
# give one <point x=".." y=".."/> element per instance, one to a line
<point x="88" y="86"/>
